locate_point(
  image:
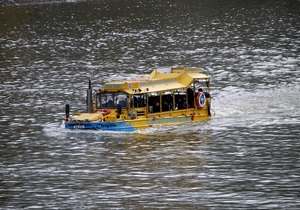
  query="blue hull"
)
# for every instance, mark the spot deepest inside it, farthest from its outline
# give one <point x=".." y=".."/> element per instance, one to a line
<point x="106" y="126"/>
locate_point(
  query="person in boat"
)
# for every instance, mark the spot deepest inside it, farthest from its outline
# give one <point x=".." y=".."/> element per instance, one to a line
<point x="156" y="107"/>
<point x="207" y="95"/>
<point x="122" y="101"/>
<point x="110" y="103"/>
<point x="165" y="106"/>
<point x="181" y="103"/>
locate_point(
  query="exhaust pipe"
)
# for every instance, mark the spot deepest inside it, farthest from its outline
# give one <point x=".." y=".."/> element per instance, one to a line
<point x="67" y="111"/>
<point x="89" y="98"/>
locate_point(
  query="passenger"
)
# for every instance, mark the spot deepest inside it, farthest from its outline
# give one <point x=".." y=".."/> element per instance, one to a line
<point x="134" y="98"/>
<point x="150" y="109"/>
<point x="181" y="104"/>
<point x="207" y="95"/>
<point x="110" y="103"/>
<point x="199" y="90"/>
<point x="122" y="101"/>
<point x="156" y="107"/>
<point x="165" y="107"/>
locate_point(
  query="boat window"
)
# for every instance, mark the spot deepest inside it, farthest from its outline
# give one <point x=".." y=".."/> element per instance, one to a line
<point x="138" y="100"/>
<point x="122" y="99"/>
<point x="154" y="102"/>
<point x="180" y="99"/>
<point x="111" y="99"/>
<point x="201" y="85"/>
<point x="98" y="100"/>
<point x="167" y="101"/>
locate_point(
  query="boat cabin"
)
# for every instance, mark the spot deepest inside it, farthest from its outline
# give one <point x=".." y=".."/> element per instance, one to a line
<point x="166" y="90"/>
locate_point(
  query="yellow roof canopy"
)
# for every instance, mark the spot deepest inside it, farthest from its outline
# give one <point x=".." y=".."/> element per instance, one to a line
<point x="160" y="80"/>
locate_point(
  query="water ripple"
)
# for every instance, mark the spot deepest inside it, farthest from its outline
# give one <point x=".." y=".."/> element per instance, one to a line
<point x="246" y="156"/>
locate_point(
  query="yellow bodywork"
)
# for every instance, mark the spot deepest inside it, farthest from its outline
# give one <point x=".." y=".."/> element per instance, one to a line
<point x="88" y="117"/>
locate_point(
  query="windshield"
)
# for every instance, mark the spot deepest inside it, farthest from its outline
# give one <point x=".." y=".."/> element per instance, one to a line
<point x="111" y="99"/>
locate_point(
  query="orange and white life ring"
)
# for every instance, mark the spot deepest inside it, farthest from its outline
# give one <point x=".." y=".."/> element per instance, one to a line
<point x="201" y="99"/>
<point x="104" y="111"/>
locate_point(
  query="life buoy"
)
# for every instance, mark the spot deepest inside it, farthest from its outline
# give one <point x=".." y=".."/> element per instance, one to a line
<point x="104" y="111"/>
<point x="201" y="99"/>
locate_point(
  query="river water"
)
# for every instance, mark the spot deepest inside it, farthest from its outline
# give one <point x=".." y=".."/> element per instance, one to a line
<point x="246" y="156"/>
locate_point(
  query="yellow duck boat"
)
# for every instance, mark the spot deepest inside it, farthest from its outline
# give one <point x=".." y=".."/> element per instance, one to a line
<point x="167" y="96"/>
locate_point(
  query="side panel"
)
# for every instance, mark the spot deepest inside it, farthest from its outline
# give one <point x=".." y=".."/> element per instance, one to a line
<point x="107" y="126"/>
<point x="141" y="122"/>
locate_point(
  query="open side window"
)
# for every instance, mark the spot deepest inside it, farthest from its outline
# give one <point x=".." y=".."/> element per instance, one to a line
<point x="138" y="101"/>
<point x="180" y="99"/>
<point x="154" y="102"/>
<point x="167" y="101"/>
